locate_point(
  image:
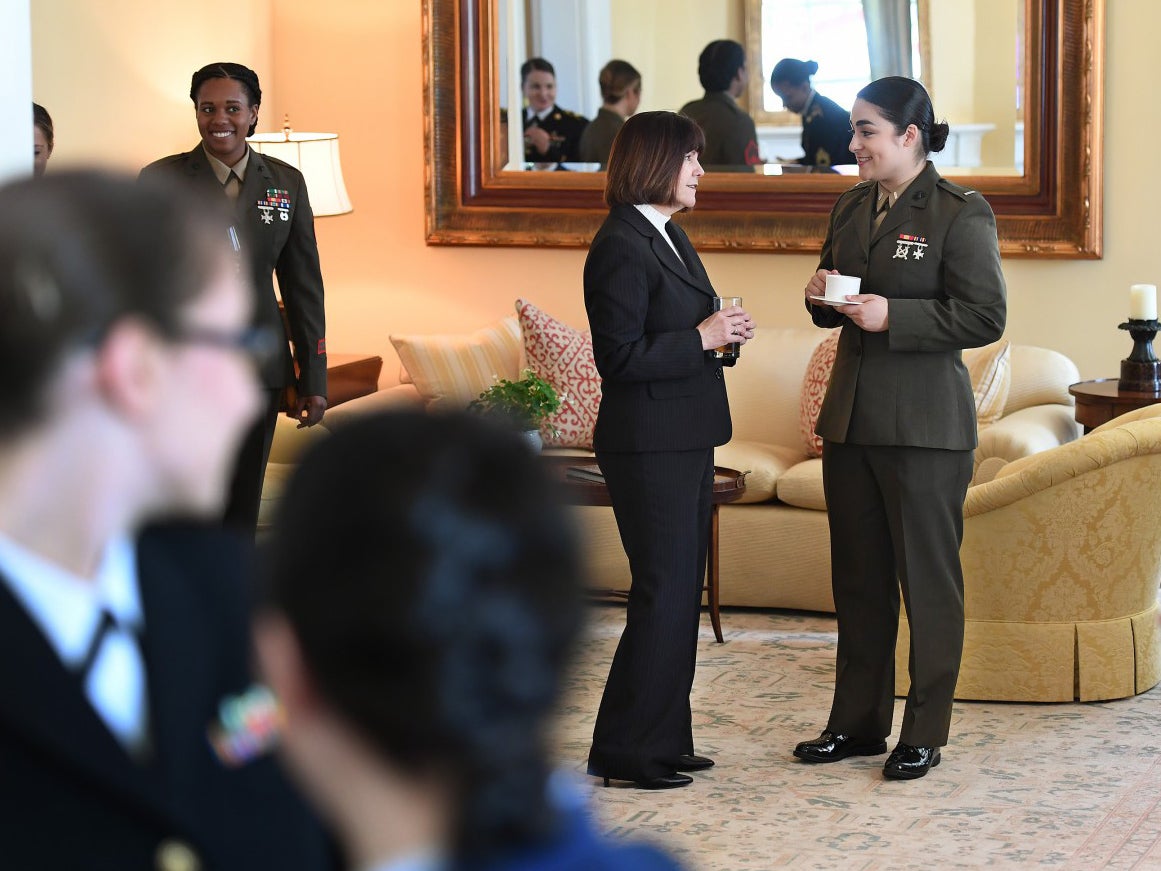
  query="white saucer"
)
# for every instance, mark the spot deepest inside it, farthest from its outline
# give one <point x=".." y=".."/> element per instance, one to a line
<point x="838" y="302"/>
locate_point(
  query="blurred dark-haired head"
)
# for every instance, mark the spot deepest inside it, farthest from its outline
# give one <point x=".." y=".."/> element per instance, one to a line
<point x="616" y="79"/>
<point x="647" y="156"/>
<point x="79" y="250"/>
<point x="719" y="62"/>
<point x="535" y="64"/>
<point x="903" y="102"/>
<point x="433" y="585"/>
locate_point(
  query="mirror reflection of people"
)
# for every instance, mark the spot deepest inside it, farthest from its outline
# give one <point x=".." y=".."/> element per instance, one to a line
<point x="621" y="95"/>
<point x="826" y="126"/>
<point x="131" y="380"/>
<point x="898" y="424"/>
<point x="551" y="134"/>
<point x="42" y="139"/>
<point x="276" y="230"/>
<point x="418" y="666"/>
<point x="730" y="136"/>
<point x="663" y="409"/>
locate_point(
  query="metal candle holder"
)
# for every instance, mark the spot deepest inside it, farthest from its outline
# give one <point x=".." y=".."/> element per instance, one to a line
<point x="1141" y="370"/>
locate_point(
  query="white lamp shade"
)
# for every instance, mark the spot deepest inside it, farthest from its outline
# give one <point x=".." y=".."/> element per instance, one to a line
<point x="316" y="156"/>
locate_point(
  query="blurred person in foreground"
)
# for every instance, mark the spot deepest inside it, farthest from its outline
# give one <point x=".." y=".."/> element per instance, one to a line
<point x="124" y="327"/>
<point x="663" y="410"/>
<point x="415" y="633"/>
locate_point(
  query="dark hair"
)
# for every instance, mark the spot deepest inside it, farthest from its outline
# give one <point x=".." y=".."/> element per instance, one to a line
<point x="535" y="63"/>
<point x="793" y="70"/>
<point x="41" y="119"/>
<point x="245" y="76"/>
<point x="646" y="157"/>
<point x="903" y="102"/>
<point x="436" y="600"/>
<point x="719" y="62"/>
<point x="79" y="250"/>
<point x="617" y="78"/>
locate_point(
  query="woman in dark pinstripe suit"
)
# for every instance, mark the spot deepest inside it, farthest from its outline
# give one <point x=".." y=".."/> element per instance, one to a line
<point x="663" y="409"/>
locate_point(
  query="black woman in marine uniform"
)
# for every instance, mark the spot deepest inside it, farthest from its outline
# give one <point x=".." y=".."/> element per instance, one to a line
<point x="731" y="140"/>
<point x="898" y="424"/>
<point x="826" y="126"/>
<point x="276" y="230"/>
<point x="551" y="134"/>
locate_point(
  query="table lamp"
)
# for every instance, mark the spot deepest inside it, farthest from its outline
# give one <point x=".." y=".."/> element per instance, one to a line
<point x="316" y="156"/>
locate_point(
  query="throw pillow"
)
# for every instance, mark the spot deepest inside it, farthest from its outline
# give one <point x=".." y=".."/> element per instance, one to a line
<point x="451" y="371"/>
<point x="563" y="356"/>
<point x="990" y="370"/>
<point x="814" y="389"/>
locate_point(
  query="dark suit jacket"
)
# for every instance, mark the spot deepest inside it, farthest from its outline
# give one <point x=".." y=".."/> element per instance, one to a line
<point x="70" y="796"/>
<point x="566" y="128"/>
<point x="826" y="133"/>
<point x="937" y="260"/>
<point x="276" y="240"/>
<point x="659" y="391"/>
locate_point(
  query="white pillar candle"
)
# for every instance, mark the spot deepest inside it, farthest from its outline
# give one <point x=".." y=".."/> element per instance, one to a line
<point x="1143" y="302"/>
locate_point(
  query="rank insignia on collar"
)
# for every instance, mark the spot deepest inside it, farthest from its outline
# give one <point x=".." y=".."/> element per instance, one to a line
<point x="910" y="247"/>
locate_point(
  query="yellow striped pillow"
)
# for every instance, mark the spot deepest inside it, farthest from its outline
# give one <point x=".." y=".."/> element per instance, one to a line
<point x="991" y="374"/>
<point x="451" y="371"/>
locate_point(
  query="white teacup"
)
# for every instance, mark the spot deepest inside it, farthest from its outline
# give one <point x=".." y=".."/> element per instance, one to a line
<point x="839" y="287"/>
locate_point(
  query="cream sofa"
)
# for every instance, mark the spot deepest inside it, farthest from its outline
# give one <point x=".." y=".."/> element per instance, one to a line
<point x="774" y="543"/>
<point x="1062" y="562"/>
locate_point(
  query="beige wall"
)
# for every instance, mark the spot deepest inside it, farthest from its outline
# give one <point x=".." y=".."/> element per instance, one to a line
<point x="355" y="66"/>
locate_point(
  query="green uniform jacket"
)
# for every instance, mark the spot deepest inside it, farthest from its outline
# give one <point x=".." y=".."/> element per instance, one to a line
<point x="730" y="136"/>
<point x="276" y="229"/>
<point x="937" y="260"/>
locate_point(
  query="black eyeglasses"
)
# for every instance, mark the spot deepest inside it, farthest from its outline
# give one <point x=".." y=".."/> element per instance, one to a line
<point x="260" y="344"/>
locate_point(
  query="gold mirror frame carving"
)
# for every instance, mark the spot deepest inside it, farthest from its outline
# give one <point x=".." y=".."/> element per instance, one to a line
<point x="1053" y="210"/>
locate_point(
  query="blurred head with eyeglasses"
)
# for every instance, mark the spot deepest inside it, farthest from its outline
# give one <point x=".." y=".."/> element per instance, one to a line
<point x="126" y="342"/>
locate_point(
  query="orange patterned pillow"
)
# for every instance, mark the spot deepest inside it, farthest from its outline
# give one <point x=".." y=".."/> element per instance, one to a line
<point x="563" y="357"/>
<point x="814" y="389"/>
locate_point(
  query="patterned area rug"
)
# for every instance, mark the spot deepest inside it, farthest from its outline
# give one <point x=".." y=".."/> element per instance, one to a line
<point x="1038" y="785"/>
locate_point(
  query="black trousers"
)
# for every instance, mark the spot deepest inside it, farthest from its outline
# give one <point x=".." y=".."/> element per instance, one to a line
<point x="662" y="504"/>
<point x="245" y="495"/>
<point x="896" y="522"/>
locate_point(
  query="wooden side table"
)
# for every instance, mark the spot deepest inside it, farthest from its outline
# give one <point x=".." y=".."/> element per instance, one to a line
<point x="1099" y="401"/>
<point x="729" y="486"/>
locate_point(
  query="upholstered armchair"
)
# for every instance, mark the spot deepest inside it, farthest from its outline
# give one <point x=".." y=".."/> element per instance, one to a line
<point x="1062" y="561"/>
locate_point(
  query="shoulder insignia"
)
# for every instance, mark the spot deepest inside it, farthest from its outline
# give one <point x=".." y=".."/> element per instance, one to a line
<point x="954" y="189"/>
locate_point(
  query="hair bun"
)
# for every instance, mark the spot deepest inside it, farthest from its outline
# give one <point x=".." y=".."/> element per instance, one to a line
<point x="811" y="67"/>
<point x="937" y="138"/>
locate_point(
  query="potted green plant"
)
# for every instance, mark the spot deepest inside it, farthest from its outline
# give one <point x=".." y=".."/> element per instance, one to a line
<point x="526" y="404"/>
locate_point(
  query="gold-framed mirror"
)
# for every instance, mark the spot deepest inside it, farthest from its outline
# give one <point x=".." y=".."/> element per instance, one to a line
<point x="1052" y="209"/>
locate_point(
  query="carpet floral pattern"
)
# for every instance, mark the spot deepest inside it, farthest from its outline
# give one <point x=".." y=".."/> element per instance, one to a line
<point x="1020" y="786"/>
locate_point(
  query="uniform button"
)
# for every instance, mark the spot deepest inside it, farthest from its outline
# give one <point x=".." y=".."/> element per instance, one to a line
<point x="173" y="855"/>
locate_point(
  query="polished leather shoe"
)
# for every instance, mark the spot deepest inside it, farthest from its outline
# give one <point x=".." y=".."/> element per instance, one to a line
<point x="831" y="747"/>
<point x="665" y="781"/>
<point x="907" y="762"/>
<point x="689" y="762"/>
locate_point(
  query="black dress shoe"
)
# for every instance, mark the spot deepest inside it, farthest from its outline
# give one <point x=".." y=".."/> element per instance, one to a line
<point x="831" y="747"/>
<point x="689" y="762"/>
<point x="908" y="762"/>
<point x="665" y="781"/>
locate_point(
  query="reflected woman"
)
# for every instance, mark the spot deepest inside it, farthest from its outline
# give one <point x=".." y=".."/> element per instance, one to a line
<point x="898" y="424"/>
<point x="621" y="94"/>
<point x="663" y="410"/>
<point x="551" y="134"/>
<point x="826" y="130"/>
